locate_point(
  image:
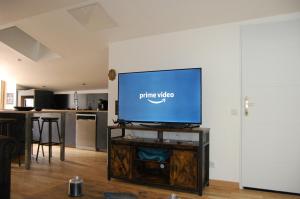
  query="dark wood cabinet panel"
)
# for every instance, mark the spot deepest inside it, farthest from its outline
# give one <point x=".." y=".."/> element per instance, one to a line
<point x="121" y="159"/>
<point x="183" y="169"/>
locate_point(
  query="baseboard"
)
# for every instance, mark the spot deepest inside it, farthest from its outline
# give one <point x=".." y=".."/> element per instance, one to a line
<point x="225" y="184"/>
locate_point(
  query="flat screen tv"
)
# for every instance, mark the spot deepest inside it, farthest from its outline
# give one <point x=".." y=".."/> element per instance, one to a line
<point x="166" y="96"/>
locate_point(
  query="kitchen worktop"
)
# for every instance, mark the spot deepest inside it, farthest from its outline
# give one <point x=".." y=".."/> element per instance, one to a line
<point x="51" y="111"/>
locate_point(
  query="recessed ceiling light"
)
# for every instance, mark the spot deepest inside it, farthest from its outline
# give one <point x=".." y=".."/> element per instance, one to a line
<point x="83" y="84"/>
<point x="19" y="59"/>
<point x="44" y="86"/>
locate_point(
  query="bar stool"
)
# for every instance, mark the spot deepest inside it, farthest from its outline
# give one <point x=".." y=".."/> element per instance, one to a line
<point x="34" y="141"/>
<point x="5" y="129"/>
<point x="5" y="125"/>
<point x="50" y="143"/>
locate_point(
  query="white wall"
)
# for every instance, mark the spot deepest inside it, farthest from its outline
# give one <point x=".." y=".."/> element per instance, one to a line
<point x="11" y="88"/>
<point x="217" y="51"/>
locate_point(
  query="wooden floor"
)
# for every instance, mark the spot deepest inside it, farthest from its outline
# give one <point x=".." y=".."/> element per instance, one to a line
<point x="45" y="181"/>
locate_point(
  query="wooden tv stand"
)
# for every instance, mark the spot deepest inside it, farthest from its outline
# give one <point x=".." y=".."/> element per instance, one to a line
<point x="185" y="169"/>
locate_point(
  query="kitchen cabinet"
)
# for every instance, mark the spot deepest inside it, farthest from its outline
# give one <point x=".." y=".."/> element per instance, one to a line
<point x="101" y="135"/>
<point x="70" y="130"/>
<point x="37" y="98"/>
<point x="70" y="139"/>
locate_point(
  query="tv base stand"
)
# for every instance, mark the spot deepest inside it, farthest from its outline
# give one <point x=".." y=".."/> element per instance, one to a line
<point x="184" y="165"/>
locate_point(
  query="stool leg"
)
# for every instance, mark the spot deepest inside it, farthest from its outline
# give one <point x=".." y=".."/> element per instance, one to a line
<point x="2" y="133"/>
<point x="59" y="137"/>
<point x="19" y="157"/>
<point x="50" y="141"/>
<point x="39" y="125"/>
<point x="32" y="124"/>
<point x="8" y="130"/>
<point x="2" y="129"/>
<point x="40" y="141"/>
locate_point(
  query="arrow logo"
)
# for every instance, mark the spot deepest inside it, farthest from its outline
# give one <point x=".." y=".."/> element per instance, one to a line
<point x="157" y="102"/>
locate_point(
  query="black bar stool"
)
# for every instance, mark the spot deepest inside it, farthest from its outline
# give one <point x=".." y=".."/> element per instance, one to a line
<point x="5" y="130"/>
<point x="50" y="143"/>
<point x="5" y="125"/>
<point x="33" y="140"/>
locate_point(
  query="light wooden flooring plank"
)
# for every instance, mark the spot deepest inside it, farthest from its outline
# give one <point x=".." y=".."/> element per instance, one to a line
<point x="46" y="181"/>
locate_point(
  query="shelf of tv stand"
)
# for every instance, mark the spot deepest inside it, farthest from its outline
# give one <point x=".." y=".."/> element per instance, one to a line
<point x="187" y="168"/>
<point x="143" y="128"/>
<point x="161" y="176"/>
<point x="151" y="142"/>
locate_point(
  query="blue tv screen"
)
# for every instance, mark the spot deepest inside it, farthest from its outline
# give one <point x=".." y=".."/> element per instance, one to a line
<point x="167" y="96"/>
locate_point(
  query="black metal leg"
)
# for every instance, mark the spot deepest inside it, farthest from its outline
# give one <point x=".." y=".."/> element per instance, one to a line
<point x="123" y="132"/>
<point x="40" y="141"/>
<point x="39" y="126"/>
<point x="50" y="141"/>
<point x="63" y="133"/>
<point x="43" y="151"/>
<point x="200" y="163"/>
<point x="19" y="157"/>
<point x="109" y="152"/>
<point x="28" y="139"/>
<point x="8" y="130"/>
<point x="59" y="136"/>
<point x="207" y="161"/>
<point x="32" y="138"/>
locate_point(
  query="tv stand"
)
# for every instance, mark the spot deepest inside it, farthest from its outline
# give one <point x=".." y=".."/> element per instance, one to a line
<point x="185" y="168"/>
<point x="169" y="126"/>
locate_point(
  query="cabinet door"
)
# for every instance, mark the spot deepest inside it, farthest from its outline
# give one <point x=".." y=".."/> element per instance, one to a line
<point x="121" y="159"/>
<point x="184" y="169"/>
<point x="70" y="130"/>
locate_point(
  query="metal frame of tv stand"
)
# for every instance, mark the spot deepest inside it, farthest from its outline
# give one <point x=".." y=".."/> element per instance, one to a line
<point x="160" y="131"/>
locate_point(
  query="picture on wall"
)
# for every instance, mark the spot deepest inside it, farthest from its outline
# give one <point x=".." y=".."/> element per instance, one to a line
<point x="10" y="98"/>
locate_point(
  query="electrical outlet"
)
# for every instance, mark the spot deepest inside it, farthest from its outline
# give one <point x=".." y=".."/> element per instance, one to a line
<point x="211" y="164"/>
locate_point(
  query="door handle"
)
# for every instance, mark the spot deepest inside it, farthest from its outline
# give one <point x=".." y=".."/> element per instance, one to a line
<point x="246" y="106"/>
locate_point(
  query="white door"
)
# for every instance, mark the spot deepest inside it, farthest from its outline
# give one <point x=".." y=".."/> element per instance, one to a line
<point x="271" y="89"/>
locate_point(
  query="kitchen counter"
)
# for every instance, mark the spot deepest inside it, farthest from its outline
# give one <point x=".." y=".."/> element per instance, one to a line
<point x="26" y="116"/>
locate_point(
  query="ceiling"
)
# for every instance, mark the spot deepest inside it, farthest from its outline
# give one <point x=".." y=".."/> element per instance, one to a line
<point x="82" y="43"/>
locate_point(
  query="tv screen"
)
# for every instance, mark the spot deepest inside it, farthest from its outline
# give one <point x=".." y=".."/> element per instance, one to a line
<point x="167" y="96"/>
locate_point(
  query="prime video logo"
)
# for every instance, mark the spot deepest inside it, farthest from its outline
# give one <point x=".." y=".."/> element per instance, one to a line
<point x="156" y="98"/>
